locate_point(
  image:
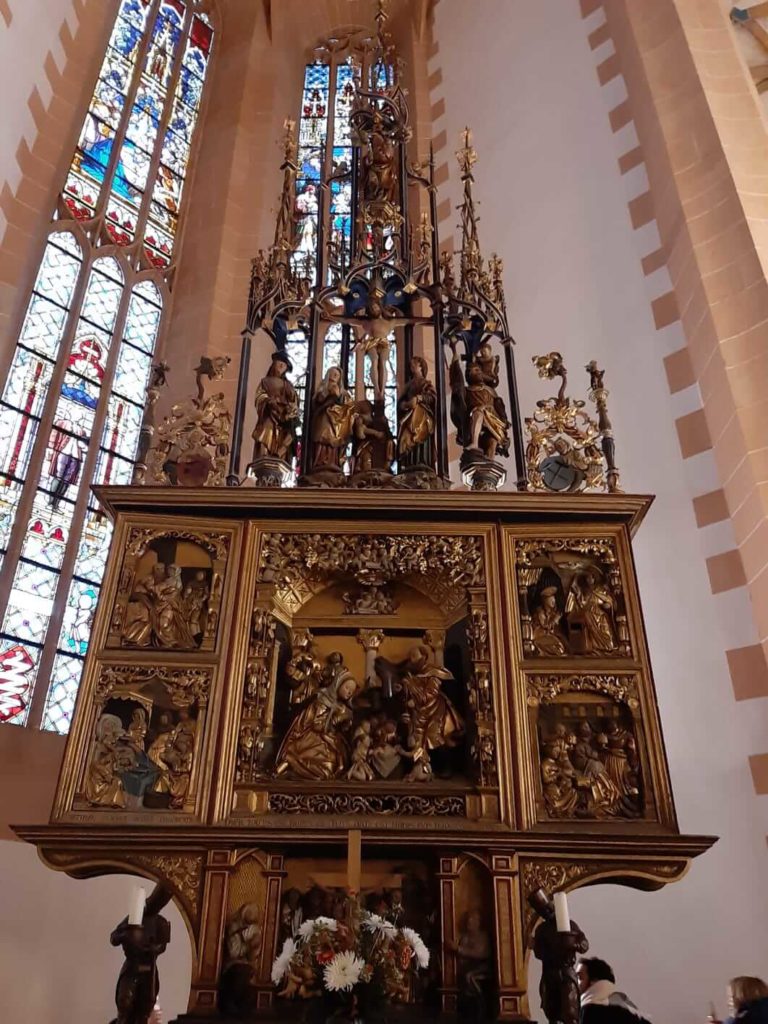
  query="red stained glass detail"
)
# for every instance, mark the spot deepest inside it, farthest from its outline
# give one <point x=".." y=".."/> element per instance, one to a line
<point x="77" y="211"/>
<point x="15" y="666"/>
<point x="37" y="527"/>
<point x="156" y="259"/>
<point x="201" y="35"/>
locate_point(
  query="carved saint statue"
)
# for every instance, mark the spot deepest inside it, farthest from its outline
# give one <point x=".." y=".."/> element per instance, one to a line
<point x="277" y="412"/>
<point x="548" y="636"/>
<point x="379" y="166"/>
<point x="157" y="615"/>
<point x="477" y="412"/>
<point x="315" y="746"/>
<point x="474" y="954"/>
<point x="373" y="446"/>
<point x="430" y="718"/>
<point x="416" y="410"/>
<point x="103" y="779"/>
<point x="591" y="604"/>
<point x="332" y="414"/>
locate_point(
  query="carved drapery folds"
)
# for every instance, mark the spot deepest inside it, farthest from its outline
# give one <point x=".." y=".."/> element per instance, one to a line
<point x="398" y="715"/>
<point x="146" y="737"/>
<point x="170" y="589"/>
<point x="571" y="598"/>
<point x="589" y="746"/>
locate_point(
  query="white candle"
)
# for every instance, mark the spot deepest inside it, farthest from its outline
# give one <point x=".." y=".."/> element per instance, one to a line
<point x="561" y="912"/>
<point x="138" y="899"/>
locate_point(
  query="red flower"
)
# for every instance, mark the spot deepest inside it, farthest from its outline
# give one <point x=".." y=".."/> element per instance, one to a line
<point x="324" y="956"/>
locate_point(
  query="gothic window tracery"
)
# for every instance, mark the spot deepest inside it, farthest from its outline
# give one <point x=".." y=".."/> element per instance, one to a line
<point x="326" y="159"/>
<point x="72" y="406"/>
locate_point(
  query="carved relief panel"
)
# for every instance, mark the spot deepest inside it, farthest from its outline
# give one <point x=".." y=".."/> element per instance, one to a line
<point x="170" y="590"/>
<point x="571" y="598"/>
<point x="146" y="733"/>
<point x="588" y="748"/>
<point x="369" y="682"/>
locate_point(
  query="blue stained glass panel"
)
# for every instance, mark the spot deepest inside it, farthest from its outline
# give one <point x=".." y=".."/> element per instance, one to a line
<point x="145" y="117"/>
<point x="43" y="326"/>
<point x="129" y="28"/>
<point x="60" y="705"/>
<point x="132" y="172"/>
<point x="132" y="372"/>
<point x="94" y="547"/>
<point x="175" y="153"/>
<point x="102" y="299"/>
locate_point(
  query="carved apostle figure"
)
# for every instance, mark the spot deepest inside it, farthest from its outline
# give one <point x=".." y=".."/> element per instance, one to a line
<point x="477" y="412"/>
<point x="332" y="415"/>
<point x="372" y="443"/>
<point x="416" y="410"/>
<point x="103" y="779"/>
<point x="379" y="167"/>
<point x="430" y="718"/>
<point x="591" y="604"/>
<point x="277" y="412"/>
<point x="548" y="636"/>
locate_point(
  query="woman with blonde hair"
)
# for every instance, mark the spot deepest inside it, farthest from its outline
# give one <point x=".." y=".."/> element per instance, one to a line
<point x="747" y="1001"/>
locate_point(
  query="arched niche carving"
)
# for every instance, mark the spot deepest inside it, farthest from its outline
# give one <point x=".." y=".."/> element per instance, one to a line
<point x="169" y="591"/>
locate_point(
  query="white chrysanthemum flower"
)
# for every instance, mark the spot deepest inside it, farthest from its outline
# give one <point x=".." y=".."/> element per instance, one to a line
<point x="376" y="923"/>
<point x="280" y="966"/>
<point x="416" y="943"/>
<point x="315" y="924"/>
<point x="343" y="972"/>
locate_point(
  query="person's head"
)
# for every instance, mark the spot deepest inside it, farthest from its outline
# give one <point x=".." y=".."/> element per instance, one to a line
<point x="591" y="969"/>
<point x="418" y="366"/>
<point x="745" y="990"/>
<point x="347" y="687"/>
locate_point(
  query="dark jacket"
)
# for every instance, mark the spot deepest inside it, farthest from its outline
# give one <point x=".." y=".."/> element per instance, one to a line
<point x="597" y="1014"/>
<point x="754" y="1013"/>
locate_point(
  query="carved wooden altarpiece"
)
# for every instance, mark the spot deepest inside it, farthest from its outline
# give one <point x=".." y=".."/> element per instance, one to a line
<point x="555" y="775"/>
<point x="336" y="654"/>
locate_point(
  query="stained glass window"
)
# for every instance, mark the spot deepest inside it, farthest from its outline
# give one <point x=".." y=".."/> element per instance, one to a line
<point x="72" y="406"/>
<point x="326" y="158"/>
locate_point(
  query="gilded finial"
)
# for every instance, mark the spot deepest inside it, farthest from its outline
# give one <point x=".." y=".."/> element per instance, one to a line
<point x="467" y="155"/>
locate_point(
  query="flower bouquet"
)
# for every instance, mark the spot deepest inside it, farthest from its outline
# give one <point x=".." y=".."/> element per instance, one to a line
<point x="353" y="968"/>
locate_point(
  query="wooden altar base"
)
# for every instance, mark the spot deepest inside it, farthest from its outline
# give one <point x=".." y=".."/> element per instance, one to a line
<point x="471" y="578"/>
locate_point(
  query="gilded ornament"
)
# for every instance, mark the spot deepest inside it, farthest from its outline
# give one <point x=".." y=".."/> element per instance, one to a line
<point x="357" y="803"/>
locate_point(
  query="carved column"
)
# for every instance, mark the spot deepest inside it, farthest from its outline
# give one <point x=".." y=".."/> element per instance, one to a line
<point x="481" y="690"/>
<point x="448" y="875"/>
<point x="370" y="640"/>
<point x="205" y="982"/>
<point x="260" y="686"/>
<point x="510" y="953"/>
<point x="275" y="874"/>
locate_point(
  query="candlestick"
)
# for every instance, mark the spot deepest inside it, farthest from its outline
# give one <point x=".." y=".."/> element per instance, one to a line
<point x="562" y="917"/>
<point x="138" y="901"/>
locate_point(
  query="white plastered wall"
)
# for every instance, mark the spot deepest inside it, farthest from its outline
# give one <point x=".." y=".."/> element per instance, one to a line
<point x="554" y="205"/>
